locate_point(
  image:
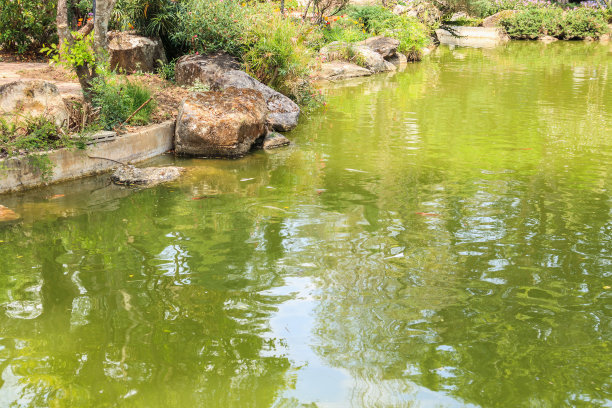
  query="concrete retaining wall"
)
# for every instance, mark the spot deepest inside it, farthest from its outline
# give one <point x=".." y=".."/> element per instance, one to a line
<point x="17" y="173"/>
<point x="479" y="37"/>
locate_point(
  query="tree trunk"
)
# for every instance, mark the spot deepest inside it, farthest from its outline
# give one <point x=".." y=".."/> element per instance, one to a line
<point x="104" y="10"/>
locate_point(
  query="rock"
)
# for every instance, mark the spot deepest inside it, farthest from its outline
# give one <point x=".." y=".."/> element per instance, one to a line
<point x="495" y="19"/>
<point x="220" y="124"/>
<point x="130" y="52"/>
<point x="398" y="59"/>
<point x="275" y="140"/>
<point x="478" y="37"/>
<point x="221" y="71"/>
<point x="33" y="98"/>
<point x="204" y="68"/>
<point x="369" y="58"/>
<point x="385" y="46"/>
<point x="424" y="11"/>
<point x="459" y="16"/>
<point x="337" y="70"/>
<point x="147" y="176"/>
<point x="547" y="39"/>
<point x="6" y="214"/>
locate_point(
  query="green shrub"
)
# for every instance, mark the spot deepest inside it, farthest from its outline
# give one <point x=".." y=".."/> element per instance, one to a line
<point x="26" y="25"/>
<point x="117" y="99"/>
<point x="568" y="24"/>
<point x="212" y="25"/>
<point x="276" y="51"/>
<point x="377" y="20"/>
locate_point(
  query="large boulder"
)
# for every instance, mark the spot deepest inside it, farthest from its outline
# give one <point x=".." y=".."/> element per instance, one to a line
<point x="385" y="46"/>
<point x="337" y="70"/>
<point x="495" y="19"/>
<point x="424" y="11"/>
<point x="221" y="71"/>
<point x="130" y="52"/>
<point x="33" y="98"/>
<point x="367" y="57"/>
<point x="220" y="124"/>
<point x="477" y="37"/>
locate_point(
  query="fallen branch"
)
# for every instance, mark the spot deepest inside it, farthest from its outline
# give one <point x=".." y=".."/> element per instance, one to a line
<point x="104" y="158"/>
<point x="135" y="112"/>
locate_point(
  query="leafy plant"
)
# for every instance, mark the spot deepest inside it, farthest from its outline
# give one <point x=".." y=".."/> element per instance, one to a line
<point x="117" y="99"/>
<point x="199" y="86"/>
<point x="166" y="70"/>
<point x="26" y="24"/>
<point x="568" y="24"/>
<point x="32" y="135"/>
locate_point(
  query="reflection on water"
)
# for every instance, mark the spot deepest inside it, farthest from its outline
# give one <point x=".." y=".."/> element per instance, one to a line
<point x="437" y="237"/>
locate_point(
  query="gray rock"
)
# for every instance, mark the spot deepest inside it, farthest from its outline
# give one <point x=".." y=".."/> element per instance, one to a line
<point x="275" y="140"/>
<point x="220" y="124"/>
<point x="424" y="11"/>
<point x="477" y="37"/>
<point x="221" y="71"/>
<point x="370" y="59"/>
<point x="338" y="70"/>
<point x="33" y="98"/>
<point x="147" y="176"/>
<point x="495" y="19"/>
<point x="130" y="52"/>
<point x="385" y="46"/>
<point x="547" y="39"/>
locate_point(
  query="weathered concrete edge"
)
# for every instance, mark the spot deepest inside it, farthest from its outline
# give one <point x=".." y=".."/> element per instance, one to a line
<point x="17" y="173"/>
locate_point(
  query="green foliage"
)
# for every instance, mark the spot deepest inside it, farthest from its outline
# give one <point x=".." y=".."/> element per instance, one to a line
<point x="208" y="26"/>
<point x="31" y="135"/>
<point x="26" y="24"/>
<point x="377" y="20"/>
<point x="276" y="51"/>
<point x="569" y="24"/>
<point x="199" y="86"/>
<point x="118" y="98"/>
<point x="166" y="70"/>
<point x="80" y="53"/>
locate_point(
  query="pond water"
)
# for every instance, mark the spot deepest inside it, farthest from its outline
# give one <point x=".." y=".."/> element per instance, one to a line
<point x="440" y="237"/>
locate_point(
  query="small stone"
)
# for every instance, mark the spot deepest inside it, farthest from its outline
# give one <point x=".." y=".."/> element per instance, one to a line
<point x="147" y="176"/>
<point x="547" y="39"/>
<point x="275" y="140"/>
<point x="6" y="214"/>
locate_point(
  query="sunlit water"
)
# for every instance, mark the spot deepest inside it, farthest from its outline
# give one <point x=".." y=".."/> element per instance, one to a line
<point x="440" y="237"/>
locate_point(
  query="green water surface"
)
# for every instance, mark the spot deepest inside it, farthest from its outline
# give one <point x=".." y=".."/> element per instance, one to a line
<point x="440" y="237"/>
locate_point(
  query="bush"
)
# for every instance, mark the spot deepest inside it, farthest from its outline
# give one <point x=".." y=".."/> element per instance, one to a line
<point x="566" y="24"/>
<point x="26" y="25"/>
<point x="276" y="51"/>
<point x="208" y="26"/>
<point x="377" y="20"/>
<point x="117" y="99"/>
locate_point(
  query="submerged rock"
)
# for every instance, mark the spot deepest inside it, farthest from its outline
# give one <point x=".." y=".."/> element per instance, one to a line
<point x="275" y="140"/>
<point x="33" y="98"/>
<point x="337" y="70"/>
<point x="220" y="124"/>
<point x="546" y="39"/>
<point x="398" y="59"/>
<point x="6" y="214"/>
<point x="147" y="176"/>
<point x="221" y="71"/>
<point x="130" y="52"/>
